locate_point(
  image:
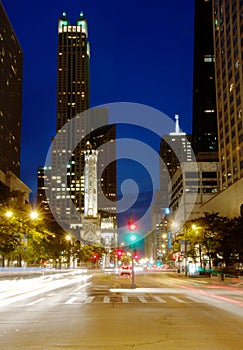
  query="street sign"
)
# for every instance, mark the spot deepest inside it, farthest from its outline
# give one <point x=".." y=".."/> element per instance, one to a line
<point x="185" y="245"/>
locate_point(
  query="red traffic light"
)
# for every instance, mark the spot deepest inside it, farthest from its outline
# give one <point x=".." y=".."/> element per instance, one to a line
<point x="119" y="253"/>
<point x="135" y="256"/>
<point x="131" y="225"/>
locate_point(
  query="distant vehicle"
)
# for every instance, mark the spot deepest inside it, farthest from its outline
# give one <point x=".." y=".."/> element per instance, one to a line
<point x="126" y="270"/>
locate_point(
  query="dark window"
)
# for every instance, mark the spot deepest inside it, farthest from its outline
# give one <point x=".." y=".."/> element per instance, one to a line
<point x="209" y="174"/>
<point x="191" y="175"/>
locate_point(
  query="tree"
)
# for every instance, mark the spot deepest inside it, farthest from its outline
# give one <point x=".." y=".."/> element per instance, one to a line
<point x="218" y="237"/>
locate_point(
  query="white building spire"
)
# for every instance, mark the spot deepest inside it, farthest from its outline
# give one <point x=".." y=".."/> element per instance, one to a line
<point x="90" y="182"/>
<point x="177" y="127"/>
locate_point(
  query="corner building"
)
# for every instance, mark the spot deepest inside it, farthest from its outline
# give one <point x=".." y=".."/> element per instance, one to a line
<point x="11" y="70"/>
<point x="204" y="121"/>
<point x="228" y="42"/>
<point x="11" y="76"/>
<point x="228" y="47"/>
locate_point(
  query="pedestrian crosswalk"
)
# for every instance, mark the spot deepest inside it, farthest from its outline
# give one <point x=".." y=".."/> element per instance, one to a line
<point x="116" y="299"/>
<point x="107" y="297"/>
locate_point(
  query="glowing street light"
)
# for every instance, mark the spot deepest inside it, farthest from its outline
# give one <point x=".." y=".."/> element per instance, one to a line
<point x="9" y="214"/>
<point x="34" y="215"/>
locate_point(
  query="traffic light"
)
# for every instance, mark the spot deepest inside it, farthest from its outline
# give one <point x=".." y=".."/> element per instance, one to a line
<point x="131" y="224"/>
<point x="95" y="257"/>
<point x="136" y="256"/>
<point x="119" y="254"/>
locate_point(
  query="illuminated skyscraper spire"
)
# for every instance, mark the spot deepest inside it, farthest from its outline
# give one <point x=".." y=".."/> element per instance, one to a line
<point x="177" y="127"/>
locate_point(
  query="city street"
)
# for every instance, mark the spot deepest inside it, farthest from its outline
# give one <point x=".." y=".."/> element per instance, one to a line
<point x="101" y="311"/>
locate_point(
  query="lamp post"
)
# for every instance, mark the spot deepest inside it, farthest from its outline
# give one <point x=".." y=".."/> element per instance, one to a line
<point x="195" y="228"/>
<point x="133" y="239"/>
<point x="69" y="241"/>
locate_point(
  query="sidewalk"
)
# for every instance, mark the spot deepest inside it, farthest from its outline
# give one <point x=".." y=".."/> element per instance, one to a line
<point x="219" y="279"/>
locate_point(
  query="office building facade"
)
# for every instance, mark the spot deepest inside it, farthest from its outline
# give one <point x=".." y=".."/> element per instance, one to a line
<point x="11" y="75"/>
<point x="204" y="120"/>
<point x="228" y="41"/>
<point x="72" y="99"/>
<point x="73" y="102"/>
<point x="11" y="71"/>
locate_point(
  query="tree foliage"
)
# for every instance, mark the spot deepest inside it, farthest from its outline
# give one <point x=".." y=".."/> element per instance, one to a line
<point x="219" y="237"/>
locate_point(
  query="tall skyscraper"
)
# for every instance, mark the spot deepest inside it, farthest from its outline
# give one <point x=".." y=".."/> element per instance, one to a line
<point x="73" y="69"/>
<point x="204" y="121"/>
<point x="228" y="41"/>
<point x="11" y="70"/>
<point x="175" y="148"/>
<point x="73" y="95"/>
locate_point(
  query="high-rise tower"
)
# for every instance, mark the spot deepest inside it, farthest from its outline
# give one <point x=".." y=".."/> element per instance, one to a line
<point x="228" y="38"/>
<point x="11" y="67"/>
<point x="73" y="69"/>
<point x="73" y="97"/>
<point x="204" y="121"/>
<point x="66" y="179"/>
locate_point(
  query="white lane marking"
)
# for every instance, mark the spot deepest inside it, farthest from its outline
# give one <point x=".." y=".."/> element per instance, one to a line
<point x="125" y="299"/>
<point x="193" y="299"/>
<point x="177" y="299"/>
<point x="71" y="300"/>
<point x="142" y="299"/>
<point x="36" y="301"/>
<point x="89" y="300"/>
<point x="160" y="300"/>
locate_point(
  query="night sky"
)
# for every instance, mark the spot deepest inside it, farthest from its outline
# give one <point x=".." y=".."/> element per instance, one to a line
<point x="140" y="52"/>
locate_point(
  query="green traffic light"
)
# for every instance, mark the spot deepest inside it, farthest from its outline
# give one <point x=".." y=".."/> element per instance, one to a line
<point x="133" y="238"/>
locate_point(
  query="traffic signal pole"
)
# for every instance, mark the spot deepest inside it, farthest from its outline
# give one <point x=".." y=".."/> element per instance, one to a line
<point x="133" y="272"/>
<point x="132" y="226"/>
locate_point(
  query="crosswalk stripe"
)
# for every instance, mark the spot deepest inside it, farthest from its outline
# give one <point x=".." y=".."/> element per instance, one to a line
<point x="35" y="302"/>
<point x="142" y="299"/>
<point x="160" y="300"/>
<point x="177" y="299"/>
<point x="193" y="299"/>
<point x="125" y="299"/>
<point x="106" y="299"/>
<point x="89" y="300"/>
<point x="71" y="300"/>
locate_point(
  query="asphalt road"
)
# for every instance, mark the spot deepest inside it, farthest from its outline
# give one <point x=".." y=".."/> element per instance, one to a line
<point x="102" y="311"/>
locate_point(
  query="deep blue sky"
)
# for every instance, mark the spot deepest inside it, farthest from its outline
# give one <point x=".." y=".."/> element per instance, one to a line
<point x="140" y="52"/>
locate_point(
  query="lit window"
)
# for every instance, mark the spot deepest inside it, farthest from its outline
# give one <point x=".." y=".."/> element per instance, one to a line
<point x="208" y="58"/>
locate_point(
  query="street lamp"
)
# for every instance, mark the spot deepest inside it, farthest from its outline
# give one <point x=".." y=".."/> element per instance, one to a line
<point x="195" y="228"/>
<point x="69" y="240"/>
<point x="34" y="215"/>
<point x="9" y="214"/>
